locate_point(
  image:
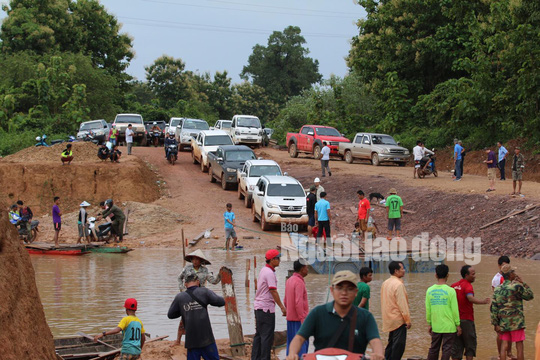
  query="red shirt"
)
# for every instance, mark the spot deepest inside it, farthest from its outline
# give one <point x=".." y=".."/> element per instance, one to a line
<point x="295" y="299"/>
<point x="464" y="288"/>
<point x="363" y="207"/>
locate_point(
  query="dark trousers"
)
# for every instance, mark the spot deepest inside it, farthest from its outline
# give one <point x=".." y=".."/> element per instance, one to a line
<point x="501" y="164"/>
<point x="438" y="340"/>
<point x="325" y="166"/>
<point x="265" y="324"/>
<point x="458" y="168"/>
<point x="324" y="225"/>
<point x="461" y="165"/>
<point x="396" y="343"/>
<point x="209" y="352"/>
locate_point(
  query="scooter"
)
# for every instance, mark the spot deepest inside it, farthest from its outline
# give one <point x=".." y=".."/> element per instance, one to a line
<point x="172" y="153"/>
<point x="103" y="231"/>
<point x="41" y="141"/>
<point x="23" y="233"/>
<point x="427" y="166"/>
<point x="154" y="136"/>
<point x="89" y="137"/>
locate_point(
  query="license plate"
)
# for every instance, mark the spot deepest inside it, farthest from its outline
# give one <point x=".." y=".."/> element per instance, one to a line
<point x="397" y="159"/>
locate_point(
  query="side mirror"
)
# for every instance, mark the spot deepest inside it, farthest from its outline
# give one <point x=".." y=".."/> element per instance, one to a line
<point x="342" y="135"/>
<point x="220" y="159"/>
<point x="310" y="133"/>
<point x="242" y="174"/>
<point x="260" y="158"/>
<point x="399" y="143"/>
<point x="105" y="126"/>
<point x="260" y="193"/>
<point x="199" y="143"/>
<point x="285" y="174"/>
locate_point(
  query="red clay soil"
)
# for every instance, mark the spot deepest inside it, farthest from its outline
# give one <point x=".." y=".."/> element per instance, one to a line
<point x="25" y="333"/>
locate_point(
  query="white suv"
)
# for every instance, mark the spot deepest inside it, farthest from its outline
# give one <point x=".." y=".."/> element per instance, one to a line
<point x="206" y="141"/>
<point x="279" y="199"/>
<point x="250" y="173"/>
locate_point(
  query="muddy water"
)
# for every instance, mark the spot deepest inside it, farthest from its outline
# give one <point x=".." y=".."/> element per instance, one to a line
<point x="87" y="293"/>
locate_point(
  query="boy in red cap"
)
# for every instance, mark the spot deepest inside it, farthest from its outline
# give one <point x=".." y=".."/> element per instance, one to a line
<point x="133" y="331"/>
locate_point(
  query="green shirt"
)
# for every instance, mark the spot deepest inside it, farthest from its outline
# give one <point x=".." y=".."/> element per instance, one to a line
<point x="322" y="322"/>
<point x="394" y="202"/>
<point x="442" y="312"/>
<point x="507" y="305"/>
<point x="363" y="292"/>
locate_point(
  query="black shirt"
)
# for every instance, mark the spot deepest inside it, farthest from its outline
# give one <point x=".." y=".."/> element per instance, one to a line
<point x="196" y="321"/>
<point x="311" y="200"/>
<point x="103" y="152"/>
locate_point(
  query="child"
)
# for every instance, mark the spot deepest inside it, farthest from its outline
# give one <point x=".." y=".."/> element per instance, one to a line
<point x="83" y="223"/>
<point x="363" y="294"/>
<point x="115" y="154"/>
<point x="67" y="155"/>
<point x="133" y="331"/>
<point x="229" y="227"/>
<point x="372" y="225"/>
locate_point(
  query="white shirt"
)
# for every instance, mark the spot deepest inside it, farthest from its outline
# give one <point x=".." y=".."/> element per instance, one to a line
<point x="419" y="152"/>
<point x="325" y="152"/>
<point x="129" y="135"/>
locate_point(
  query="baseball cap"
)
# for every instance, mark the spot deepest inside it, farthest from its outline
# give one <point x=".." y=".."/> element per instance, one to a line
<point x="317" y="180"/>
<point x="392" y="191"/>
<point x="345" y="275"/>
<point x="131" y="304"/>
<point x="507" y="269"/>
<point x="271" y="254"/>
<point x="312" y="188"/>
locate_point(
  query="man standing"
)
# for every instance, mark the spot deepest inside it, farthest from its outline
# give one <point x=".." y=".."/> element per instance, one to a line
<point x="466" y="342"/>
<point x="296" y="303"/>
<point x="118" y="220"/>
<point x="395" y="311"/>
<point x="339" y="324"/>
<point x="311" y="200"/>
<point x="363" y="210"/>
<point x="319" y="187"/>
<point x="507" y="311"/>
<point x="129" y="138"/>
<point x="26" y="215"/>
<point x="191" y="305"/>
<point x="502" y="159"/>
<point x="82" y="223"/>
<point x="325" y="159"/>
<point x="266" y="299"/>
<point x="518" y="164"/>
<point x="229" y="218"/>
<point x="491" y="166"/>
<point x="322" y="219"/>
<point x="442" y="315"/>
<point x="458" y="150"/>
<point x="394" y="210"/>
<point x="364" y="292"/>
<point x="57" y="219"/>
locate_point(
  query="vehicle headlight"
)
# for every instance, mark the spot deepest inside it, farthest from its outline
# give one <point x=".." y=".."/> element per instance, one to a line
<point x="406" y="152"/>
<point x="304" y="208"/>
<point x="231" y="170"/>
<point x="270" y="206"/>
<point x="385" y="151"/>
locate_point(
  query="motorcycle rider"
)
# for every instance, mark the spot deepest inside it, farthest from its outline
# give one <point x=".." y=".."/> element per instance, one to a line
<point x="26" y="215"/>
<point x="155" y="127"/>
<point x="14" y="216"/>
<point x="118" y="221"/>
<point x="171" y="140"/>
<point x="419" y="152"/>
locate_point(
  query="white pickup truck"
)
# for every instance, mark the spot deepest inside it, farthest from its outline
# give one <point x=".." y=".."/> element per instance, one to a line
<point x="279" y="199"/>
<point x="206" y="141"/>
<point x="250" y="173"/>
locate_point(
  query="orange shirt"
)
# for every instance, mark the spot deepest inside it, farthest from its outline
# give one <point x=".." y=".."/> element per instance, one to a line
<point x="394" y="304"/>
<point x="363" y="207"/>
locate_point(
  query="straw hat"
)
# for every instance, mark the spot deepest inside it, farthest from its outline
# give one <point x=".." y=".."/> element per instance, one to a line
<point x="200" y="255"/>
<point x="392" y="191"/>
<point x="84" y="204"/>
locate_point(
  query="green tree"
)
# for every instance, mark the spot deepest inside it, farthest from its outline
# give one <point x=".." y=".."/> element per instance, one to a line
<point x="282" y="67"/>
<point x="250" y="99"/>
<point x="168" y="80"/>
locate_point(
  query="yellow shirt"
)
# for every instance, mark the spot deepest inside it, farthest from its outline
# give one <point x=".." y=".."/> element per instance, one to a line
<point x="394" y="304"/>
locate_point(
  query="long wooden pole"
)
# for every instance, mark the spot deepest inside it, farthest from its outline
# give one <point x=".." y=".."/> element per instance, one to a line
<point x="248" y="264"/>
<point x="234" y="323"/>
<point x="183" y="248"/>
<point x="255" y="271"/>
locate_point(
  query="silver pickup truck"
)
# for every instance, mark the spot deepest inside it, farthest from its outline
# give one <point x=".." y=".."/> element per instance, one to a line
<point x="377" y="148"/>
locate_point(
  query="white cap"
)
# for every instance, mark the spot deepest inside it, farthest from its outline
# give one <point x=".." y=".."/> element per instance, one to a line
<point x="317" y="180"/>
<point x="84" y="204"/>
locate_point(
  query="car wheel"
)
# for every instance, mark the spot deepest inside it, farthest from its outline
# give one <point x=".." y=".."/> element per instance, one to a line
<point x="224" y="184"/>
<point x="240" y="195"/>
<point x="203" y="168"/>
<point x="181" y="147"/>
<point x="253" y="215"/>
<point x="317" y="151"/>
<point x="212" y="178"/>
<point x="247" y="201"/>
<point x="293" y="150"/>
<point x="401" y="164"/>
<point x="375" y="159"/>
<point x="348" y="157"/>
<point x="194" y="159"/>
<point x="264" y="225"/>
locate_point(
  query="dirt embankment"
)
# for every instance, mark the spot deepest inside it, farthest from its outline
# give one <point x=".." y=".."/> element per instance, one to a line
<point x="25" y="333"/>
<point x="36" y="176"/>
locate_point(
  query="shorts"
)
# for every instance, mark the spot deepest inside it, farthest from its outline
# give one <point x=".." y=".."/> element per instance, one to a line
<point x="466" y="343"/>
<point x="83" y="230"/>
<point x="513" y="336"/>
<point x="311" y="220"/>
<point x="129" y="357"/>
<point x="517" y="175"/>
<point x="394" y="224"/>
<point x="417" y="164"/>
<point x="57" y="226"/>
<point x="229" y="232"/>
<point x="491" y="174"/>
<point x="363" y="224"/>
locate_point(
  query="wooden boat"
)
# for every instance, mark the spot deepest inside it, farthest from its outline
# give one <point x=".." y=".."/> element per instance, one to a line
<point x="110" y="250"/>
<point x="83" y="348"/>
<point x="69" y="252"/>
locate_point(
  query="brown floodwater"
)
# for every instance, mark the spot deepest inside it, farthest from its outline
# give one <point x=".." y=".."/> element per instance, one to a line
<point x="87" y="294"/>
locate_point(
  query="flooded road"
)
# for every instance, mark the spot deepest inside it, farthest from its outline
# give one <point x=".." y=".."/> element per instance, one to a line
<point x="87" y="294"/>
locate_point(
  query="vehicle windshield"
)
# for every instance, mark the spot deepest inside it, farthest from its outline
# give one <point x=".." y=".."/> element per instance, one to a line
<point x="91" y="126"/>
<point x="269" y="131"/>
<point x="285" y="190"/>
<point x="226" y="124"/>
<point x="239" y="155"/>
<point x="217" y="140"/>
<point x="175" y="122"/>
<point x="327" y="132"/>
<point x="128" y="119"/>
<point x="198" y="125"/>
<point x="260" y="170"/>
<point x="248" y="122"/>
<point x="383" y="140"/>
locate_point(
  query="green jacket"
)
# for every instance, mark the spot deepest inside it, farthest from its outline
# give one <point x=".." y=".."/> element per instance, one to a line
<point x="116" y="211"/>
<point x="518" y="162"/>
<point x="507" y="305"/>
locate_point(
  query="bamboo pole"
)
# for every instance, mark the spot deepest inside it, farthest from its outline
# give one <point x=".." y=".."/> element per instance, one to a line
<point x="255" y="271"/>
<point x="183" y="248"/>
<point x="248" y="265"/>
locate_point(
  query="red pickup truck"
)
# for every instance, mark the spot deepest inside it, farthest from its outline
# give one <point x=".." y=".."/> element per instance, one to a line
<point x="310" y="140"/>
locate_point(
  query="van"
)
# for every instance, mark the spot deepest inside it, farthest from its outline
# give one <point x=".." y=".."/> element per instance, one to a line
<point x="246" y="129"/>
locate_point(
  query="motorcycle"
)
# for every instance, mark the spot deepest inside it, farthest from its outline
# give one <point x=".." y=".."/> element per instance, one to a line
<point x="41" y="141"/>
<point x="89" y="137"/>
<point x="154" y="137"/>
<point x="427" y="166"/>
<point x="102" y="233"/>
<point x="23" y="232"/>
<point x="172" y="153"/>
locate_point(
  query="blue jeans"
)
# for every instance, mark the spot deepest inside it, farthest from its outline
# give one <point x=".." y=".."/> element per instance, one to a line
<point x="113" y="141"/>
<point x="209" y="352"/>
<point x="292" y="329"/>
<point x="458" y="168"/>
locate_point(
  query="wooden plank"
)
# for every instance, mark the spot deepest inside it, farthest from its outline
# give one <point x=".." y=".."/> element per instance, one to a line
<point x="126" y="222"/>
<point x="107" y="354"/>
<point x="354" y="210"/>
<point x="199" y="237"/>
<point x="508" y="216"/>
<point x="234" y="323"/>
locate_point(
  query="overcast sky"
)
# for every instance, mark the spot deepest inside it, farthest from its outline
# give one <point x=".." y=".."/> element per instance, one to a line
<point x="217" y="35"/>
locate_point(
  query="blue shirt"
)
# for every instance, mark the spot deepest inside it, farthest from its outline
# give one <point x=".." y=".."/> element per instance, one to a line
<point x="502" y="153"/>
<point x="133" y="331"/>
<point x="457" y="149"/>
<point x="228" y="216"/>
<point x="321" y="207"/>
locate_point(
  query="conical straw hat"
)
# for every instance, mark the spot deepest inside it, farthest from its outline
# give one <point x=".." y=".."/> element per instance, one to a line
<point x="200" y="255"/>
